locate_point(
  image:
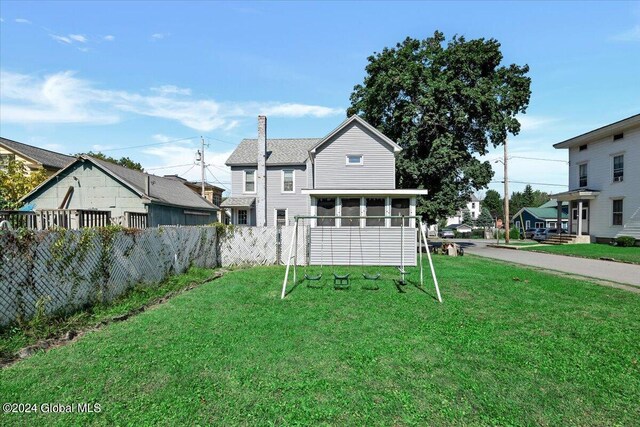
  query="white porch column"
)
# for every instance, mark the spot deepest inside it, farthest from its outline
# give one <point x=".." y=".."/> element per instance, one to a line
<point x="314" y="211"/>
<point x="559" y="217"/>
<point x="387" y="212"/>
<point x="338" y="210"/>
<point x="579" y="217"/>
<point x="412" y="212"/>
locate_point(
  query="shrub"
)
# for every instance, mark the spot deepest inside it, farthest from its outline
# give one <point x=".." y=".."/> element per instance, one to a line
<point x="625" y="241"/>
<point x="514" y="233"/>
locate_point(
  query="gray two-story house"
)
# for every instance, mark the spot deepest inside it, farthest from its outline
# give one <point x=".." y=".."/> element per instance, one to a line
<point x="349" y="172"/>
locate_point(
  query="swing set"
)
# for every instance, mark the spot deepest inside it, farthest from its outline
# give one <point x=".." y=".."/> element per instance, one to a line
<point x="340" y="250"/>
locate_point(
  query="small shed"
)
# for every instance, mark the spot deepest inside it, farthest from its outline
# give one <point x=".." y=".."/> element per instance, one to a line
<point x="132" y="198"/>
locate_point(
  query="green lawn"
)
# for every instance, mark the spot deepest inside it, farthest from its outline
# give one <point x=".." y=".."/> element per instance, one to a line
<point x="594" y="250"/>
<point x="509" y="346"/>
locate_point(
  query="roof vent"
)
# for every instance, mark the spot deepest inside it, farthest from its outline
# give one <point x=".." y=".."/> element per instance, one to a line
<point x="618" y="136"/>
<point x="583" y="147"/>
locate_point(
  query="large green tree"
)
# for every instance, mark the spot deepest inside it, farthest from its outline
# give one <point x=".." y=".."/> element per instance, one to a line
<point x="16" y="182"/>
<point x="527" y="198"/>
<point x="444" y="103"/>
<point x="122" y="161"/>
<point x="494" y="203"/>
<point x="484" y="219"/>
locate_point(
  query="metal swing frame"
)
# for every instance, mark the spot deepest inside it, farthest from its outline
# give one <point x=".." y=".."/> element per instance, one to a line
<point x="422" y="237"/>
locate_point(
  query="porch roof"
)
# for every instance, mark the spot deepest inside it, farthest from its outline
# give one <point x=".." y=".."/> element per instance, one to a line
<point x="364" y="192"/>
<point x="238" y="202"/>
<point x="584" y="194"/>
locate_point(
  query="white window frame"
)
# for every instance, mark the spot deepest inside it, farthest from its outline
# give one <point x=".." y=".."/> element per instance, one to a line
<point x="613" y="156"/>
<point x="539" y="224"/>
<point x="527" y="224"/>
<point x="614" y="199"/>
<point x="244" y="181"/>
<point x="238" y="216"/>
<point x="348" y="163"/>
<point x="275" y="216"/>
<point x="586" y="165"/>
<point x="293" y="176"/>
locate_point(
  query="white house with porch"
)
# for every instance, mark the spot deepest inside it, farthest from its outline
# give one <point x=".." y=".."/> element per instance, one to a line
<point x="349" y="172"/>
<point x="604" y="182"/>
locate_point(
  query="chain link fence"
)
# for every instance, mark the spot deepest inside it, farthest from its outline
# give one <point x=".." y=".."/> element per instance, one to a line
<point x="61" y="271"/>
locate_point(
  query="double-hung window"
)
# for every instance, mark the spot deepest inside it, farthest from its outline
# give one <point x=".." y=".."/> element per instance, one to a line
<point x="288" y="181"/>
<point x="617" y="212"/>
<point x="618" y="168"/>
<point x="249" y="181"/>
<point x="582" y="175"/>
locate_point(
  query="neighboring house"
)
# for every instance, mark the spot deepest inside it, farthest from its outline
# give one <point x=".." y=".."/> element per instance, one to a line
<point x="34" y="158"/>
<point x="461" y="228"/>
<point x="212" y="193"/>
<point x="604" y="181"/>
<point x="131" y="197"/>
<point x="473" y="206"/>
<point x="544" y="216"/>
<point x="349" y="172"/>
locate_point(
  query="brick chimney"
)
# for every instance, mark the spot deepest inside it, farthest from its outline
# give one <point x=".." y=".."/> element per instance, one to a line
<point x="261" y="174"/>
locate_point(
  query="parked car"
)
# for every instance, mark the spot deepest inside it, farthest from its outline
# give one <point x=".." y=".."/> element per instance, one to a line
<point x="446" y="233"/>
<point x="528" y="233"/>
<point x="544" y="233"/>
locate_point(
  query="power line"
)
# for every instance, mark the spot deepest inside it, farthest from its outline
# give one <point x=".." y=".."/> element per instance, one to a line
<point x="169" y="167"/>
<point x="187" y="171"/>
<point x="215" y="178"/>
<point x="221" y="140"/>
<point x="149" y="145"/>
<point x="540" y="159"/>
<point x="530" y="183"/>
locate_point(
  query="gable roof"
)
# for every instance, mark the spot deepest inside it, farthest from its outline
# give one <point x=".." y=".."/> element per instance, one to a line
<point x="542" y="213"/>
<point x="163" y="191"/>
<point x="47" y="158"/>
<point x="601" y="132"/>
<point x="289" y="151"/>
<point x="355" y="118"/>
<point x="553" y="203"/>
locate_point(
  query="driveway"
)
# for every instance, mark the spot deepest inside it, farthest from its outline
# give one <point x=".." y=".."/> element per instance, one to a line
<point x="627" y="274"/>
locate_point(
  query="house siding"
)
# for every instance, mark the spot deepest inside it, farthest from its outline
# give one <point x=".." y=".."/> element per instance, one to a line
<point x="172" y="215"/>
<point x="93" y="189"/>
<point x="599" y="157"/>
<point x="361" y="246"/>
<point x="237" y="180"/>
<point x="377" y="171"/>
<point x="295" y="203"/>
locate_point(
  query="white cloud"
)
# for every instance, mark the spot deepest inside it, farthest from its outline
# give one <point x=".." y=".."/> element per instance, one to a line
<point x="83" y="49"/>
<point x="78" y="37"/>
<point x="64" y="98"/>
<point x="171" y="90"/>
<point x="1" y="20"/>
<point x="109" y="38"/>
<point x="158" y="36"/>
<point x="22" y="21"/>
<point x="161" y="138"/>
<point x="532" y="123"/>
<point x="61" y="39"/>
<point x="631" y="35"/>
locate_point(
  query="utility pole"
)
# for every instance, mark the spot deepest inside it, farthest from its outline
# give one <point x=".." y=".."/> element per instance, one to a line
<point x="506" y="195"/>
<point x="202" y="167"/>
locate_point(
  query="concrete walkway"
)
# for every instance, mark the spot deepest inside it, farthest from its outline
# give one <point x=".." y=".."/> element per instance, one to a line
<point x="627" y="274"/>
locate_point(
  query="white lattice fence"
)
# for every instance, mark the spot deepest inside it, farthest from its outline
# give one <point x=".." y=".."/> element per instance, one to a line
<point x="249" y="246"/>
<point x="64" y="270"/>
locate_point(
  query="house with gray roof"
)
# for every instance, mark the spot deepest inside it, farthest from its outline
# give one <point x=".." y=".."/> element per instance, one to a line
<point x="349" y="172"/>
<point x="132" y="197"/>
<point x="33" y="158"/>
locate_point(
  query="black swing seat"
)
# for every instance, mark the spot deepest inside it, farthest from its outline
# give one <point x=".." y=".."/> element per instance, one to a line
<point x="309" y="277"/>
<point x="371" y="276"/>
<point x="341" y="281"/>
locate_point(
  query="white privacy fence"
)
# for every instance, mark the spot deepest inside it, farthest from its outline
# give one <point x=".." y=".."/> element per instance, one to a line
<point x="64" y="270"/>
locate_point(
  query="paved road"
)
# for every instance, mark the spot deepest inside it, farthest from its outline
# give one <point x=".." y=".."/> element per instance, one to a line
<point x="605" y="270"/>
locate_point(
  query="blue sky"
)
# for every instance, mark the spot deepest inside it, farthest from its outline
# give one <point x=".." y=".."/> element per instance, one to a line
<point x="79" y="76"/>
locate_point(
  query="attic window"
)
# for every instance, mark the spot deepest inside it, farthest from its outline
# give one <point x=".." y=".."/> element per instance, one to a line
<point x="354" y="159"/>
<point x="583" y="147"/>
<point x="618" y="136"/>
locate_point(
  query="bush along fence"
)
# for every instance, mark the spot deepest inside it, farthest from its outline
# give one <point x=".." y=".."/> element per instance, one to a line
<point x="48" y="272"/>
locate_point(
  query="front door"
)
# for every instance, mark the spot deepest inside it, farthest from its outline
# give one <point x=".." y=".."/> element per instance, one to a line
<point x="585" y="220"/>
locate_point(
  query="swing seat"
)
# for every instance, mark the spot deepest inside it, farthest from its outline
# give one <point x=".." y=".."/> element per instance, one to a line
<point x="341" y="281"/>
<point x="371" y="276"/>
<point x="309" y="277"/>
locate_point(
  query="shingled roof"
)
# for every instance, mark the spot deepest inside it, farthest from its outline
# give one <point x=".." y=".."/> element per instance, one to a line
<point x="48" y="159"/>
<point x="294" y="151"/>
<point x="163" y="191"/>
